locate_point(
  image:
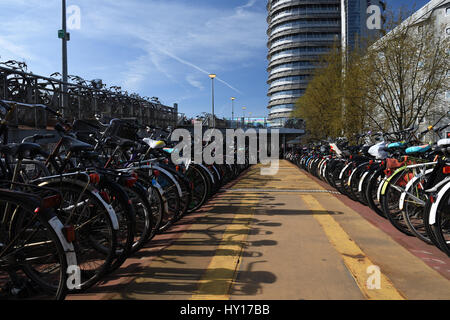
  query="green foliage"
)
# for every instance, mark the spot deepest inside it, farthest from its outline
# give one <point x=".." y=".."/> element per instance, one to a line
<point x="391" y="84"/>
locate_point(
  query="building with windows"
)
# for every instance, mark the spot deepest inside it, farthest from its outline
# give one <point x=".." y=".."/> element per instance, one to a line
<point x="436" y="13"/>
<point x="299" y="32"/>
<point x="354" y="16"/>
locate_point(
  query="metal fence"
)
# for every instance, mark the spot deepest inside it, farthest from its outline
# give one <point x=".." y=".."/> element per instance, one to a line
<point x="84" y="100"/>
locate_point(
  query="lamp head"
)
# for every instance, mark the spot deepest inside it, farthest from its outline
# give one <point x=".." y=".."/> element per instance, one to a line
<point x="212" y="76"/>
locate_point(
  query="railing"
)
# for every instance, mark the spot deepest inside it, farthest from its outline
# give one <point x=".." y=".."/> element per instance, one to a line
<point x="84" y="100"/>
<point x="235" y="123"/>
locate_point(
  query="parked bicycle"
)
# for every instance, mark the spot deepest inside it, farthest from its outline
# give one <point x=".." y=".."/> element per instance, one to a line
<point x="91" y="199"/>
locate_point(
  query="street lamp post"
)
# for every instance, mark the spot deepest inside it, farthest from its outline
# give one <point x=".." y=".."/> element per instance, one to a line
<point x="232" y="110"/>
<point x="243" y="110"/>
<point x="212" y="76"/>
<point x="64" y="57"/>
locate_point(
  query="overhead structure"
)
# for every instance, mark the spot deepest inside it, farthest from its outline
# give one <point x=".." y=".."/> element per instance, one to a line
<point x="85" y="99"/>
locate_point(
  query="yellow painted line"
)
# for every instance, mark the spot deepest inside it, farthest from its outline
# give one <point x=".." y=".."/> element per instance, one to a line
<point x="217" y="281"/>
<point x="354" y="258"/>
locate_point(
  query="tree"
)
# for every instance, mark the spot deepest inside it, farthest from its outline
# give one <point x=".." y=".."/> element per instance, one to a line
<point x="320" y="107"/>
<point x="358" y="114"/>
<point x="407" y="77"/>
<point x="392" y="84"/>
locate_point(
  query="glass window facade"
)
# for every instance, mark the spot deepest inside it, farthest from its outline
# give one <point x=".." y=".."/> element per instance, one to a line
<point x="287" y="94"/>
<point x="308" y="36"/>
<point x="312" y="28"/>
<point x="290" y="80"/>
<point x="298" y="51"/>
<point x="306" y="23"/>
<point x="282" y="108"/>
<point x="306" y="9"/>
<point x="302" y="65"/>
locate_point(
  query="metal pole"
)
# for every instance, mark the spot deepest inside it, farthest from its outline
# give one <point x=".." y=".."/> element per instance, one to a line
<point x="64" y="58"/>
<point x="213" y="117"/>
<point x="232" y="112"/>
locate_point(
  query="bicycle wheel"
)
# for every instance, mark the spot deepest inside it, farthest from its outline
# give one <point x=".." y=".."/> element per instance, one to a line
<point x="38" y="252"/>
<point x="391" y="198"/>
<point x="372" y="191"/>
<point x="154" y="198"/>
<point x="199" y="188"/>
<point x="441" y="228"/>
<point x="345" y="188"/>
<point x="336" y="175"/>
<point x="126" y="216"/>
<point x="171" y="200"/>
<point x="413" y="208"/>
<point x="95" y="233"/>
<point x="144" y="217"/>
<point x="157" y="205"/>
<point x="185" y="198"/>
<point x="354" y="182"/>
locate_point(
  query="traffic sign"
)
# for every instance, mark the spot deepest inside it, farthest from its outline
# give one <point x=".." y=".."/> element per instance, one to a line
<point x="61" y="35"/>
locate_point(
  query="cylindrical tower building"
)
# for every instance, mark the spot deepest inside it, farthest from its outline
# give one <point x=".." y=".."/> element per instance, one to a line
<point x="299" y="31"/>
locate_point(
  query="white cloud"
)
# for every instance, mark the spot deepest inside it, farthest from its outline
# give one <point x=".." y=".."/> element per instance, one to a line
<point x="193" y="81"/>
<point x="13" y="51"/>
<point x="249" y="4"/>
<point x="204" y="39"/>
<point x="139" y="44"/>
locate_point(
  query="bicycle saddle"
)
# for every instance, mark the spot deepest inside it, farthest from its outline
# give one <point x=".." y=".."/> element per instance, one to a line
<point x="378" y="151"/>
<point x="22" y="150"/>
<point x="74" y="145"/>
<point x="418" y="149"/>
<point x="154" y="144"/>
<point x="396" y="145"/>
<point x="444" y="142"/>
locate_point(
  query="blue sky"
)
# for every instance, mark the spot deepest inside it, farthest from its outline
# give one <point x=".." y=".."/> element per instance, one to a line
<point x="162" y="48"/>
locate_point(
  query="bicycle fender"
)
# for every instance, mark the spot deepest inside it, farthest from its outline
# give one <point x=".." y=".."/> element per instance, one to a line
<point x="343" y="170"/>
<point x="353" y="172"/>
<point x="361" y="181"/>
<point x="58" y="227"/>
<point x="161" y="192"/>
<point x="171" y="178"/>
<point x="380" y="186"/>
<point x="408" y="186"/>
<point x="95" y="192"/>
<point x="207" y="170"/>
<point x="383" y="190"/>
<point x="435" y="205"/>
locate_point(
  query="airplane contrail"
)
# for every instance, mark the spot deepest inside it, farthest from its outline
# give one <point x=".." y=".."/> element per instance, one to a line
<point x="197" y="68"/>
